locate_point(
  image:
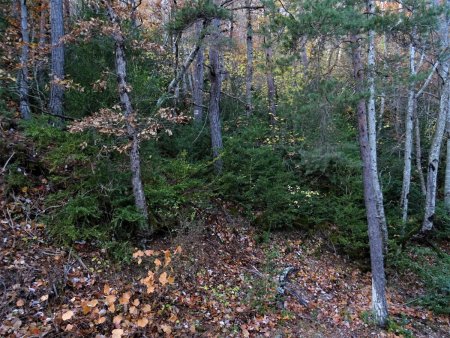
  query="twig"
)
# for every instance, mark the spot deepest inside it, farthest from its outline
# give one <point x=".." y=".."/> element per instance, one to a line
<point x="6" y="163"/>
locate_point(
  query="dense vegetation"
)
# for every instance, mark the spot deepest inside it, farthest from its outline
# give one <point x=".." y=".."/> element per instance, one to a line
<point x="299" y="170"/>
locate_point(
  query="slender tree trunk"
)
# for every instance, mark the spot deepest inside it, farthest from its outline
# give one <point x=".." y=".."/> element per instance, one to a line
<point x="379" y="304"/>
<point x="249" y="71"/>
<point x="271" y="88"/>
<point x="57" y="32"/>
<point x="198" y="79"/>
<point x="423" y="187"/>
<point x="435" y="150"/>
<point x="372" y="130"/>
<point x="41" y="45"/>
<point x="409" y="119"/>
<point x="127" y="109"/>
<point x="214" y="100"/>
<point x="447" y="168"/>
<point x="383" y="93"/>
<point x="23" y="72"/>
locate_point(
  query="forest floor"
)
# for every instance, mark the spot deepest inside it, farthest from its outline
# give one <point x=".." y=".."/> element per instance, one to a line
<point x="212" y="279"/>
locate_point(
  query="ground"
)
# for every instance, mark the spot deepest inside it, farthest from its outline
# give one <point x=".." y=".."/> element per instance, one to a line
<point x="218" y="277"/>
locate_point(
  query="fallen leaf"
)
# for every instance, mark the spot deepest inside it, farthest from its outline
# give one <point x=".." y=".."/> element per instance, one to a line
<point x="157" y="262"/>
<point x="20" y="302"/>
<point x="106" y="289"/>
<point x="44" y="298"/>
<point x="142" y="322"/>
<point x="166" y="328"/>
<point x="92" y="303"/>
<point x="117" y="319"/>
<point x="146" y="308"/>
<point x="67" y="315"/>
<point x="117" y="333"/>
<point x="101" y="320"/>
<point x="163" y="278"/>
<point x="110" y="299"/>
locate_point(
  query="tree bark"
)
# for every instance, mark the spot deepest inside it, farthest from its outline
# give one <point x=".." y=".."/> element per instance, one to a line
<point x="379" y="304"/>
<point x="372" y="130"/>
<point x="249" y="69"/>
<point x="198" y="79"/>
<point x="127" y="110"/>
<point x="409" y="119"/>
<point x="214" y="100"/>
<point x="435" y="149"/>
<point x="418" y="147"/>
<point x="57" y="63"/>
<point x="271" y="86"/>
<point x="23" y="72"/>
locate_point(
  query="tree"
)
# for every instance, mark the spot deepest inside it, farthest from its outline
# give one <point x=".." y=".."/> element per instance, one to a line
<point x="215" y="77"/>
<point x="57" y="63"/>
<point x="22" y="78"/>
<point x="435" y="149"/>
<point x="249" y="69"/>
<point x="379" y="304"/>
<point x="127" y="110"/>
<point x="198" y="79"/>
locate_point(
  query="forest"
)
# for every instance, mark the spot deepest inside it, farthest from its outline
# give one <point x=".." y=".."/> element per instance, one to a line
<point x="225" y="168"/>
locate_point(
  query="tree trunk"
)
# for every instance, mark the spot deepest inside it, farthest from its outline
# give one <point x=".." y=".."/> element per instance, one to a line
<point x="271" y="89"/>
<point x="379" y="304"/>
<point x="23" y="72"/>
<point x="57" y="32"/>
<point x="249" y="70"/>
<point x="127" y="110"/>
<point x="409" y="119"/>
<point x="372" y="130"/>
<point x="198" y="80"/>
<point x="423" y="187"/>
<point x="435" y="150"/>
<point x="447" y="169"/>
<point x="214" y="100"/>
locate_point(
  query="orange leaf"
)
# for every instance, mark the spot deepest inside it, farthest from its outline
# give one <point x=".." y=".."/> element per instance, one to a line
<point x="20" y="302"/>
<point x="146" y="308"/>
<point x="142" y="322"/>
<point x="106" y="289"/>
<point x="92" y="303"/>
<point x="136" y="302"/>
<point x="149" y="252"/>
<point x="125" y="299"/>
<point x="117" y="319"/>
<point x="163" y="278"/>
<point x="110" y="299"/>
<point x="167" y="258"/>
<point x="157" y="262"/>
<point x="101" y="320"/>
<point x="166" y="328"/>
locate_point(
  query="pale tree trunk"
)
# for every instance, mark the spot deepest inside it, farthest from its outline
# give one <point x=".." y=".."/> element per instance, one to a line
<point x="198" y="80"/>
<point x="57" y="63"/>
<point x="379" y="304"/>
<point x="383" y="93"/>
<point x="418" y="147"/>
<point x="435" y="149"/>
<point x="127" y="110"/>
<point x="409" y="119"/>
<point x="447" y="168"/>
<point x="23" y="71"/>
<point x="372" y="130"/>
<point x="249" y="70"/>
<point x="214" y="98"/>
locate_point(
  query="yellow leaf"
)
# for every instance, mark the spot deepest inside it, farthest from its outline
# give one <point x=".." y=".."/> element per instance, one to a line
<point x="167" y="258"/>
<point x="163" y="278"/>
<point x="117" y="333"/>
<point x="24" y="189"/>
<point x="171" y="279"/>
<point x="142" y="322"/>
<point x="67" y="315"/>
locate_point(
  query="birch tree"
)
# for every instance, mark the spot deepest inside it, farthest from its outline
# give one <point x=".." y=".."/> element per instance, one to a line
<point x="435" y="149"/>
